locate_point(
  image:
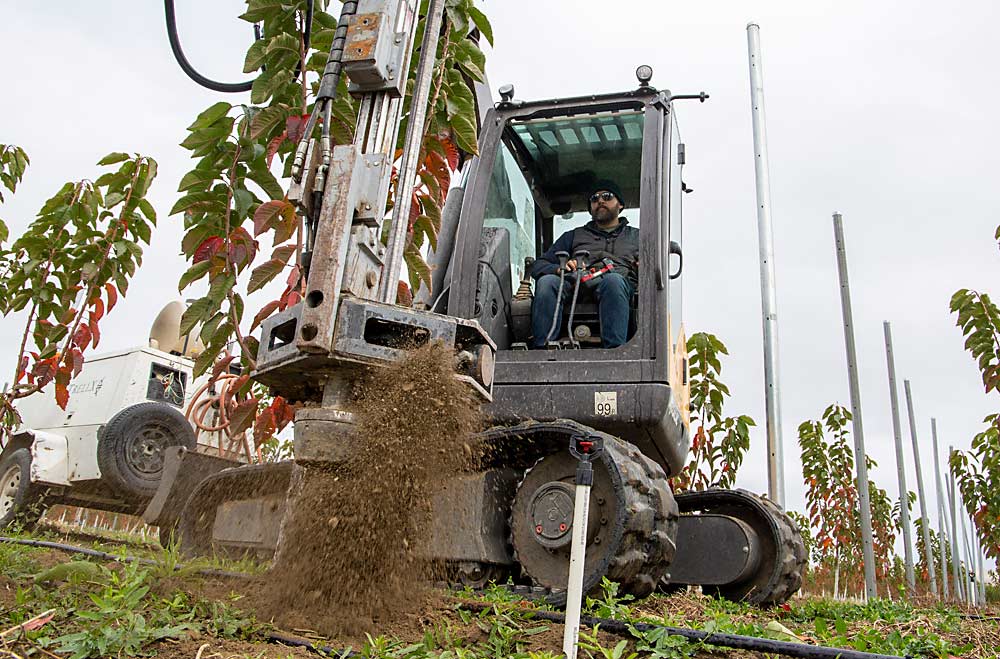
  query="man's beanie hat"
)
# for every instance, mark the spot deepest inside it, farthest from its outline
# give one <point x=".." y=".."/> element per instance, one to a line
<point x="610" y="186"/>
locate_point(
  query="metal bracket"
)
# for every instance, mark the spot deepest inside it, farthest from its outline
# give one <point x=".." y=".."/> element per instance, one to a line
<point x="374" y="53"/>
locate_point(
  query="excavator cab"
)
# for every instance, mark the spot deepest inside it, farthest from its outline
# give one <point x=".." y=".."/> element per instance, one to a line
<point x="537" y="165"/>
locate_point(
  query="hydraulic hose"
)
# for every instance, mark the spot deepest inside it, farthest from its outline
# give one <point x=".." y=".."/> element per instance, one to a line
<point x="214" y="85"/>
<point x="734" y="641"/>
<point x="175" y="46"/>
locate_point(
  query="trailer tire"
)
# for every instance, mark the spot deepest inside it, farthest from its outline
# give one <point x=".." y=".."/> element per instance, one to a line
<point x="130" y="447"/>
<point x="21" y="502"/>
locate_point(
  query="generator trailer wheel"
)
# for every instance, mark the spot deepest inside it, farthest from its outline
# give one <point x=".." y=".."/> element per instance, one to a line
<point x="130" y="447"/>
<point x="21" y="502"/>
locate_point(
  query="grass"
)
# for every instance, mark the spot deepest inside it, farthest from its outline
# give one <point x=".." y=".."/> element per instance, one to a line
<point x="123" y="610"/>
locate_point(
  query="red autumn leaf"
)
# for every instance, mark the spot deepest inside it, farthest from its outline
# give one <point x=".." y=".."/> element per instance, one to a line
<point x="452" y="150"/>
<point x="274" y="145"/>
<point x="112" y="296"/>
<point x="22" y="368"/>
<point x="77" y="357"/>
<point x="283" y="412"/>
<point x="268" y="213"/>
<point x="63" y="376"/>
<point x="415" y="211"/>
<point x="242" y="248"/>
<point x="264" y="426"/>
<point x="95" y="330"/>
<point x="291" y="299"/>
<point x="67" y="316"/>
<point x="242" y="416"/>
<point x="403" y="295"/>
<point x="98" y="307"/>
<point x="44" y="371"/>
<point x="207" y="249"/>
<point x="82" y="337"/>
<point x="264" y="313"/>
<point x="239" y="382"/>
<point x="220" y="366"/>
<point x="293" y="277"/>
<point x="294" y="125"/>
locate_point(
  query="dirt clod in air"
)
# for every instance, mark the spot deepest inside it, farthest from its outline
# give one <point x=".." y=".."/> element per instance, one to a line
<point x="352" y="553"/>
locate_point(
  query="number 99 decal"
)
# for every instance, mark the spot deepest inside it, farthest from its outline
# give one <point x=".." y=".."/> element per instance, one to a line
<point x="606" y="403"/>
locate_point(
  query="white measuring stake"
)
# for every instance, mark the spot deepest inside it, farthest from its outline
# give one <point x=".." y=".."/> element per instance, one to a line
<point x="578" y="553"/>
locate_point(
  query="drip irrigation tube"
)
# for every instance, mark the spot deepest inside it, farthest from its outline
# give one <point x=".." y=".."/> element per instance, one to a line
<point x="712" y="638"/>
<point x="734" y="641"/>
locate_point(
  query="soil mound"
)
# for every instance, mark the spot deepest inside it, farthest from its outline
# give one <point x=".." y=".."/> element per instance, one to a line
<point x="352" y="542"/>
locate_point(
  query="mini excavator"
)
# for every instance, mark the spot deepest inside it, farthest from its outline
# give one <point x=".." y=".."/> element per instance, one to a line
<point x="513" y="516"/>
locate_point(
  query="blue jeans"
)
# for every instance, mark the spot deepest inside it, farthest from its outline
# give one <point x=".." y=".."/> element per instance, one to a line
<point x="612" y="290"/>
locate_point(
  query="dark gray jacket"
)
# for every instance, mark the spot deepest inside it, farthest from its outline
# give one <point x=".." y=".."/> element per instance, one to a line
<point x="621" y="245"/>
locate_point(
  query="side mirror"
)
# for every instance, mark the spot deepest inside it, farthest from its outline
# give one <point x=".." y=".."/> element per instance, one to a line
<point x="675" y="248"/>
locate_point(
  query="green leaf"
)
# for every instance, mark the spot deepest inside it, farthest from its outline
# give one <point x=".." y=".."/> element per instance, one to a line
<point x="481" y="22"/>
<point x="113" y="158"/>
<point x="209" y="327"/>
<point x="255" y="56"/>
<point x="194" y="273"/>
<point x="201" y="179"/>
<point x="209" y="116"/>
<point x="464" y="132"/>
<point x="205" y="202"/>
<point x="147" y="210"/>
<point x="266" y="180"/>
<point x="195" y="313"/>
<point x="221" y="285"/>
<point x="264" y="273"/>
<point x="271" y="117"/>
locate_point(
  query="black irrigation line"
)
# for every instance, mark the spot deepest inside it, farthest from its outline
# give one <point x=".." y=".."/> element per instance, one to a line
<point x="734" y="641"/>
<point x="710" y="638"/>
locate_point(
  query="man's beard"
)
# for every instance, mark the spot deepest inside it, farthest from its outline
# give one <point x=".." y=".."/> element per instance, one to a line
<point x="603" y="215"/>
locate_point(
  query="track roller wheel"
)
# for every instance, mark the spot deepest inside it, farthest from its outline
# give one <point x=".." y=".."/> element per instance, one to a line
<point x="631" y="530"/>
<point x="782" y="553"/>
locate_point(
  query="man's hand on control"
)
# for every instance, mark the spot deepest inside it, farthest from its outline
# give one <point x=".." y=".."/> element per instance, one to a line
<point x="571" y="265"/>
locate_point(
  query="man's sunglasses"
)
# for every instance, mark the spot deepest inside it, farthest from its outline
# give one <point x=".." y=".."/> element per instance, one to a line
<point x="601" y="196"/>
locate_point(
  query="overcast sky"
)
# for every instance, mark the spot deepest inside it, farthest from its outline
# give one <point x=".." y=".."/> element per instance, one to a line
<point x="881" y="111"/>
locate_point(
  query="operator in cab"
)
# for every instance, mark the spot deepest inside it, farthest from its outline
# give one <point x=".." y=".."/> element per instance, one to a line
<point x="610" y="274"/>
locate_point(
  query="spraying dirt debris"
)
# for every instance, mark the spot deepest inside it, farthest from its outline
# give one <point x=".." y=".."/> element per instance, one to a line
<point x="354" y="531"/>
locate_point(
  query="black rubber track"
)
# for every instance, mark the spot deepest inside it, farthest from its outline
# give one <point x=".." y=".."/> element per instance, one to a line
<point x="642" y="543"/>
<point x="783" y="560"/>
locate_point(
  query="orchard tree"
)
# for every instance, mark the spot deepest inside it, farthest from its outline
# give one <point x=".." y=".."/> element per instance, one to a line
<point x="978" y="471"/>
<point x="68" y="269"/>
<point x="720" y="442"/>
<point x="833" y="504"/>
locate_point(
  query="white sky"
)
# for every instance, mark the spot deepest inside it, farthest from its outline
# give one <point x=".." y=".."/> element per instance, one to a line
<point x="881" y="111"/>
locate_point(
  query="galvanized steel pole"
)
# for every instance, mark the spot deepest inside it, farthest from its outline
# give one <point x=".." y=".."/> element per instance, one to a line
<point x="979" y="563"/>
<point x="768" y="299"/>
<point x="904" y="499"/>
<point x="393" y="263"/>
<point x="860" y="457"/>
<point x="956" y="571"/>
<point x="970" y="567"/>
<point x="941" y="517"/>
<point x="921" y="492"/>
